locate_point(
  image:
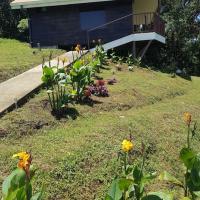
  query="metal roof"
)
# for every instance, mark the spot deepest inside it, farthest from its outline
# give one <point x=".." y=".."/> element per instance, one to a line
<point x="18" y="4"/>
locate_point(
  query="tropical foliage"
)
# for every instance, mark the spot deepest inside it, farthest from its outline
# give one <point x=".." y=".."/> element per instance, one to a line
<point x="18" y="186"/>
<point x="183" y="40"/>
<point x="191" y="161"/>
<point x="73" y="82"/>
<point x="9" y="21"/>
<point x="131" y="184"/>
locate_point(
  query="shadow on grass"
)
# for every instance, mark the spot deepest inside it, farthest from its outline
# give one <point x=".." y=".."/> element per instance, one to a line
<point x="67" y="113"/>
<point x="98" y="77"/>
<point x="182" y="75"/>
<point x="89" y="102"/>
<point x="105" y="67"/>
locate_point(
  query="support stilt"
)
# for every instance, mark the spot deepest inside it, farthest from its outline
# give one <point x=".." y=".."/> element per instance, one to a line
<point x="134" y="50"/>
<point x="144" y="50"/>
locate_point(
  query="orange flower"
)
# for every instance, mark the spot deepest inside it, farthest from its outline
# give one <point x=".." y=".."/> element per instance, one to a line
<point x="24" y="163"/>
<point x="78" y="48"/>
<point x="187" y="118"/>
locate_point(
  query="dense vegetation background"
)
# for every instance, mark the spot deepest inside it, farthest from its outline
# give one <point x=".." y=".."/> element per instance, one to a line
<point x="9" y="21"/>
<point x="182" y="50"/>
<point x="183" y="36"/>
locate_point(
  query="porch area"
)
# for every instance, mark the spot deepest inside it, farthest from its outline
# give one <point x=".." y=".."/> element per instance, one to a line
<point x="130" y="28"/>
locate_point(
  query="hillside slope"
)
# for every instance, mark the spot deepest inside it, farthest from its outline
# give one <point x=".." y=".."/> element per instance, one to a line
<point x="17" y="57"/>
<point x="78" y="158"/>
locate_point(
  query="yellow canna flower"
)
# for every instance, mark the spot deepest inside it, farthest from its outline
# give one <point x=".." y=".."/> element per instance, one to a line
<point x="127" y="145"/>
<point x="187" y="118"/>
<point x="25" y="160"/>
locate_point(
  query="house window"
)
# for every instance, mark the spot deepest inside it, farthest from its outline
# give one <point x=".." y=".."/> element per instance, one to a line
<point x="91" y="19"/>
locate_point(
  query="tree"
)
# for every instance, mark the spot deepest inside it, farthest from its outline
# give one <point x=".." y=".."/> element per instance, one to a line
<point x="9" y="20"/>
<point x="182" y="50"/>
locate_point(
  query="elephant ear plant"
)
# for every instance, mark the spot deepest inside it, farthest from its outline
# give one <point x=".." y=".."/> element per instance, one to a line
<point x="133" y="179"/>
<point x="80" y="77"/>
<point x="191" y="161"/>
<point x="56" y="89"/>
<point x="18" y="185"/>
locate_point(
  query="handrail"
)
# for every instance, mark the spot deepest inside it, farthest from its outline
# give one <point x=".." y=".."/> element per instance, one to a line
<point x="157" y="24"/>
<point x="118" y="19"/>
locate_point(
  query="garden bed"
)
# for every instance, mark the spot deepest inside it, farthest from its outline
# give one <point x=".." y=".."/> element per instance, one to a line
<point x="77" y="155"/>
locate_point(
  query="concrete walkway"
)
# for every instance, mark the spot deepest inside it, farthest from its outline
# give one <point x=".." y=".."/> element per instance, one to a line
<point x="15" y="89"/>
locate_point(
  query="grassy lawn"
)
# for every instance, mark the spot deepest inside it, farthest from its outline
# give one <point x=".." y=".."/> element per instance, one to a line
<point x="17" y="57"/>
<point x="77" y="156"/>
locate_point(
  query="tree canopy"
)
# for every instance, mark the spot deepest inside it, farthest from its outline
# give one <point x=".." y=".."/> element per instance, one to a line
<point x="9" y="20"/>
<point x="183" y="35"/>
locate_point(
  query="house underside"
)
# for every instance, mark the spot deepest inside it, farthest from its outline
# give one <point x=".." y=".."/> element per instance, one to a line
<point x="115" y="22"/>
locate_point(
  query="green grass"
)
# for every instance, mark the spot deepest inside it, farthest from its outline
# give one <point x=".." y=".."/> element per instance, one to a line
<point x="17" y="57"/>
<point x="78" y="158"/>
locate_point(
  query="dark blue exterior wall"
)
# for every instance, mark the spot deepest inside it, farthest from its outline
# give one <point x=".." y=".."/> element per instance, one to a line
<point x="54" y="26"/>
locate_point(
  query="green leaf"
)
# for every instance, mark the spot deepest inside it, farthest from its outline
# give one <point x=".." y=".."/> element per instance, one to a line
<point x="48" y="75"/>
<point x="108" y="197"/>
<point x="16" y="180"/>
<point x="197" y="193"/>
<point x="114" y="193"/>
<point x="20" y="194"/>
<point x="165" y="176"/>
<point x="190" y="183"/>
<point x="29" y="190"/>
<point x="37" y="196"/>
<point x="158" y="196"/>
<point x="124" y="184"/>
<point x="77" y="64"/>
<point x="148" y="177"/>
<point x="137" y="174"/>
<point x="195" y="171"/>
<point x="48" y="71"/>
<point x="187" y="156"/>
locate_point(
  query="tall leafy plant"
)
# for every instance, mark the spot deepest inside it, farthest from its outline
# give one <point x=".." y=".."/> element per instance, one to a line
<point x="182" y="38"/>
<point x="18" y="185"/>
<point x="133" y="179"/>
<point x="80" y="77"/>
<point x="58" y="95"/>
<point x="100" y="55"/>
<point x="191" y="161"/>
<point x="9" y="20"/>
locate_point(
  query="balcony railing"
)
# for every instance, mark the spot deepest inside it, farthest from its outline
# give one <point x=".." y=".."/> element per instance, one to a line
<point x="148" y="22"/>
<point x="129" y="24"/>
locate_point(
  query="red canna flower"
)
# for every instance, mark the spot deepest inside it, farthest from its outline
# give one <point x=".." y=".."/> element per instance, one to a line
<point x="100" y="82"/>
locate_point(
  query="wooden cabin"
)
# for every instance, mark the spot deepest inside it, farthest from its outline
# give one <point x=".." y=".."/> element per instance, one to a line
<point x="59" y="23"/>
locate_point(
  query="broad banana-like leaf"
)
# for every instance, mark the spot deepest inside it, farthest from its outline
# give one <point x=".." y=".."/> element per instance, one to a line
<point x="165" y="176"/>
<point x="158" y="196"/>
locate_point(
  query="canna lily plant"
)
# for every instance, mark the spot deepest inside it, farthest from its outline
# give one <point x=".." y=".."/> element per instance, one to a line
<point x="133" y="179"/>
<point x="57" y="91"/>
<point x="100" y="55"/>
<point x="18" y="186"/>
<point x="191" y="161"/>
<point x="80" y="77"/>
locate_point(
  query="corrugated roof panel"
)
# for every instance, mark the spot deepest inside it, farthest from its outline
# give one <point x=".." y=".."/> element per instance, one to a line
<point x="17" y="4"/>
